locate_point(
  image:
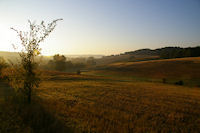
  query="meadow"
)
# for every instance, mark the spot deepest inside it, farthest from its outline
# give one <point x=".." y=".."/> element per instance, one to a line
<point x="101" y="104"/>
<point x="10" y="121"/>
<point x="172" y="70"/>
<point x="111" y="100"/>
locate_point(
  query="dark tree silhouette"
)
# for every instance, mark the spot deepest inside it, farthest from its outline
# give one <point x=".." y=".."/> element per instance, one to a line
<point x="30" y="42"/>
<point x="60" y="62"/>
<point x="91" y="61"/>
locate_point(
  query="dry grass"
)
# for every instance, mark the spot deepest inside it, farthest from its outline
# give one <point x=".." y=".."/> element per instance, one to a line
<point x="186" y="69"/>
<point x="87" y="103"/>
<point x="19" y="117"/>
<point x="115" y="106"/>
<point x="10" y="122"/>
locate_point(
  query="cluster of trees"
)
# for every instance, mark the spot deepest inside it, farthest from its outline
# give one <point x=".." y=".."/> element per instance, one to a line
<point x="177" y="52"/>
<point x="60" y="63"/>
<point x="91" y="61"/>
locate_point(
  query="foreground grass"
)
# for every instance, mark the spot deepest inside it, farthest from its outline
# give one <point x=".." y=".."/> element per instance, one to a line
<point x="10" y="121"/>
<point x="96" y="105"/>
<point x="99" y="104"/>
<point x="16" y="116"/>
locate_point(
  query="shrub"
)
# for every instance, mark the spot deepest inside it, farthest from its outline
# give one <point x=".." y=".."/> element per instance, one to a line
<point x="78" y="72"/>
<point x="164" y="80"/>
<point x="179" y="82"/>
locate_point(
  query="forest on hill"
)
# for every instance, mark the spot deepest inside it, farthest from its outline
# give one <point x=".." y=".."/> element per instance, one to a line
<point x="169" y="52"/>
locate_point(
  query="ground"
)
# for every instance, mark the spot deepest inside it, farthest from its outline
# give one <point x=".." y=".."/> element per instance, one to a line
<point x="101" y="104"/>
<point x="10" y="121"/>
<point x="172" y="70"/>
<point x="100" y="101"/>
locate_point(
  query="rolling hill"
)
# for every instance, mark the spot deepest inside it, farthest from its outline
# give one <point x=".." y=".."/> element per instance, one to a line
<point x="186" y="69"/>
<point x="149" y="54"/>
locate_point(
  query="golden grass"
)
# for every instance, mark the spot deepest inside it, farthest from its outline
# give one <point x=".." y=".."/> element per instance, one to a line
<point x="10" y="121"/>
<point x="112" y="106"/>
<point x="183" y="67"/>
<point x="173" y="70"/>
<point x="193" y="59"/>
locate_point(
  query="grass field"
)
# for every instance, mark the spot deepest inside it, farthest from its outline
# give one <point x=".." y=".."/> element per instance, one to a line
<point x="17" y="117"/>
<point x="100" y="104"/>
<point x="10" y="121"/>
<point x="173" y="70"/>
<point x="114" y="102"/>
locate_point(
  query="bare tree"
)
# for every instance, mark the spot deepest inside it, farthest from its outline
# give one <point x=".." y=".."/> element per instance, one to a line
<point x="30" y="42"/>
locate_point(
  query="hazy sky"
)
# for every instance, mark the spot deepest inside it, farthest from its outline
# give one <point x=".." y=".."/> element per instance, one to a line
<point x="104" y="26"/>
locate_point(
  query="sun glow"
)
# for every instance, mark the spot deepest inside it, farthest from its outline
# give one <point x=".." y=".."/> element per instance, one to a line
<point x="8" y="37"/>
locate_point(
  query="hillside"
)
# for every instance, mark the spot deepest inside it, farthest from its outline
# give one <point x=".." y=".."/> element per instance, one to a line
<point x="14" y="57"/>
<point x="149" y="54"/>
<point x="102" y="104"/>
<point x="9" y="55"/>
<point x="131" y="56"/>
<point x="186" y="69"/>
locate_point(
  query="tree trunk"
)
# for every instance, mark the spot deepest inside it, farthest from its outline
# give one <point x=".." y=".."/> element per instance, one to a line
<point x="29" y="95"/>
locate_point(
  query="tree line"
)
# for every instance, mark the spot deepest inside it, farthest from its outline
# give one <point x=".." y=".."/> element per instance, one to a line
<point x="168" y="52"/>
<point x="60" y="63"/>
<point x="177" y="52"/>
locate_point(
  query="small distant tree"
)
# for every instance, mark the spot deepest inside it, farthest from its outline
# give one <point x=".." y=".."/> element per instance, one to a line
<point x="78" y="72"/>
<point x="30" y="42"/>
<point x="91" y="61"/>
<point x="58" y="63"/>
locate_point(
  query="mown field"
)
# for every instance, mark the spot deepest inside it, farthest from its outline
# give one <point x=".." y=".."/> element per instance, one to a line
<point x="99" y="104"/>
<point x="172" y="70"/>
<point x="118" y="98"/>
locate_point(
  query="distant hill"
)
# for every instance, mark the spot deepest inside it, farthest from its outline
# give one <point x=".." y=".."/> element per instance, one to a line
<point x="149" y="54"/>
<point x="169" y="52"/>
<point x="13" y="56"/>
<point x="83" y="56"/>
<point x="173" y="70"/>
<point x="142" y="52"/>
<point x="131" y="56"/>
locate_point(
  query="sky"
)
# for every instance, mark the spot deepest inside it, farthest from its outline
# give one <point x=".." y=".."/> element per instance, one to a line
<point x="104" y="26"/>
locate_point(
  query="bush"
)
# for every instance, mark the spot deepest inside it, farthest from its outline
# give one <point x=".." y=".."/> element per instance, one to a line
<point x="164" y="80"/>
<point x="179" y="82"/>
<point x="78" y="72"/>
